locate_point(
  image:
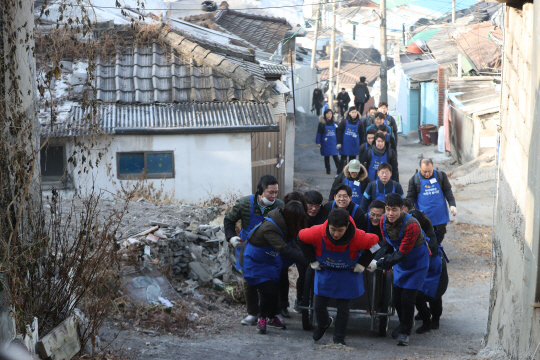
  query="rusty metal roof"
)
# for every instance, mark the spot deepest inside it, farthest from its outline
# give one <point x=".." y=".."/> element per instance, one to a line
<point x="351" y="72"/>
<point x="180" y="118"/>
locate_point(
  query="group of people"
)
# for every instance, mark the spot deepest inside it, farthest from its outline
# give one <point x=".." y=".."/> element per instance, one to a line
<point x="367" y="224"/>
<point x="360" y="93"/>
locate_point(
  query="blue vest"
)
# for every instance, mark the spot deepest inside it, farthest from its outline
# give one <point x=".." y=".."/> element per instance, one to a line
<point x="254" y="220"/>
<point x="336" y="278"/>
<point x="431" y="200"/>
<point x="329" y="141"/>
<point x="375" y="162"/>
<point x="378" y="195"/>
<point x="411" y="272"/>
<point x="354" y="209"/>
<point x="351" y="140"/>
<point x="261" y="263"/>
<point x="356" y="190"/>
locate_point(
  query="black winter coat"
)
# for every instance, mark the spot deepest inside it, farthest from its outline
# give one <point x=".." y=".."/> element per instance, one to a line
<point x="318" y="99"/>
<point x="361" y="92"/>
<point x="343" y="99"/>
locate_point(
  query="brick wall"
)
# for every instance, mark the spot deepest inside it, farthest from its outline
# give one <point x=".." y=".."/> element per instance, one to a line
<point x="441" y="81"/>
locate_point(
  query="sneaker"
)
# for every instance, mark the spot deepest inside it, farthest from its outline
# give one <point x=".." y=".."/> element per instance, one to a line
<point x="276" y="323"/>
<point x="261" y="325"/>
<point x="435" y="324"/>
<point x="396" y="331"/>
<point x="296" y="308"/>
<point x="328" y="171"/>
<point x="319" y="332"/>
<point x="249" y="320"/>
<point x="403" y="340"/>
<point x="426" y="327"/>
<point x="285" y="313"/>
<point x="280" y="317"/>
<point x="340" y="342"/>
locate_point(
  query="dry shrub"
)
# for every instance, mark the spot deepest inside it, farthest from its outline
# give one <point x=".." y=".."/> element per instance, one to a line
<point x="222" y="203"/>
<point x="234" y="293"/>
<point x="142" y="188"/>
<point x="473" y="239"/>
<point x="157" y="318"/>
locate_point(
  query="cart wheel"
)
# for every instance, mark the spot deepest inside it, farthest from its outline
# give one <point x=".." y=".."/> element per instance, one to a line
<point x="386" y="303"/>
<point x="308" y="316"/>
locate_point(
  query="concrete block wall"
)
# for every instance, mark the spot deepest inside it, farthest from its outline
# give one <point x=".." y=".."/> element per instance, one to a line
<point x="441" y="86"/>
<point x="513" y="324"/>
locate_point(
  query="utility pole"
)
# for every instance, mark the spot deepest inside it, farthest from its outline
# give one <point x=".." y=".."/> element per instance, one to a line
<point x="338" y="70"/>
<point x="453" y="11"/>
<point x="332" y="59"/>
<point x="314" y="51"/>
<point x="384" y="60"/>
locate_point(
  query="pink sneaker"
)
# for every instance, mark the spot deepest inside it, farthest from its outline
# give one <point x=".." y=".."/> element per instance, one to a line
<point x="261" y="325"/>
<point x="276" y="323"/>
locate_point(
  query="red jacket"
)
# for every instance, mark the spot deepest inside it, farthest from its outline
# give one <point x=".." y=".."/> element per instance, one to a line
<point x="360" y="240"/>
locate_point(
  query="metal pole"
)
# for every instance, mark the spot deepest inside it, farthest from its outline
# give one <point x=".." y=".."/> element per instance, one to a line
<point x="338" y="70"/>
<point x="314" y="51"/>
<point x="332" y="59"/>
<point x="384" y="63"/>
<point x="453" y="11"/>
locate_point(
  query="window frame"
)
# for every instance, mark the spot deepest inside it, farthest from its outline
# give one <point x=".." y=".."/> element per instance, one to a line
<point x="144" y="174"/>
<point x="55" y="178"/>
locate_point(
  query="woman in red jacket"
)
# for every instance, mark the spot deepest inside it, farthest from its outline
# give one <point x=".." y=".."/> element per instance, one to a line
<point x="334" y="251"/>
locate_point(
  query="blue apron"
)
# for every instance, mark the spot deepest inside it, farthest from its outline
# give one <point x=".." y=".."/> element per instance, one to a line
<point x="412" y="271"/>
<point x="431" y="200"/>
<point x="354" y="209"/>
<point x="329" y="141"/>
<point x="261" y="263"/>
<point x="336" y="279"/>
<point x="351" y="140"/>
<point x="375" y="162"/>
<point x="356" y="190"/>
<point x="244" y="233"/>
<point x="433" y="276"/>
<point x="378" y="195"/>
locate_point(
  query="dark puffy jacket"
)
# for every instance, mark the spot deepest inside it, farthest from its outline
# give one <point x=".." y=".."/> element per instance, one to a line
<point x="343" y="99"/>
<point x="361" y="92"/>
<point x="241" y="210"/>
<point x="318" y="99"/>
<point x="340" y="179"/>
<point x="268" y="234"/>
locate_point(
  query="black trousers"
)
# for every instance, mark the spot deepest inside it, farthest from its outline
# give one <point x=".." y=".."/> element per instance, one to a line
<point x="252" y="299"/>
<point x="342" y="318"/>
<point x="284" y="288"/>
<point x="344" y="160"/>
<point x="268" y="294"/>
<point x="300" y="282"/>
<point x="318" y="111"/>
<point x="404" y="300"/>
<point x="441" y="229"/>
<point x="359" y="107"/>
<point x="342" y="109"/>
<point x="336" y="161"/>
<point x="434" y="311"/>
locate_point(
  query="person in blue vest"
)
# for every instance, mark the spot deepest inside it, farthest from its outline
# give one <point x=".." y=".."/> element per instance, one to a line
<point x="429" y="190"/>
<point x="355" y="176"/>
<point x="378" y="121"/>
<point x="327" y="140"/>
<point x="391" y="142"/>
<point x="389" y="119"/>
<point x="410" y="260"/>
<point x="314" y="217"/>
<point x="262" y="256"/>
<point x="334" y="251"/>
<point x="373" y="218"/>
<point x="369" y="119"/>
<point x="380" y="153"/>
<point x="325" y="105"/>
<point x="343" y="200"/>
<point x="437" y="278"/>
<point x="251" y="210"/>
<point x="378" y="189"/>
<point x="350" y="135"/>
<point x="370" y="136"/>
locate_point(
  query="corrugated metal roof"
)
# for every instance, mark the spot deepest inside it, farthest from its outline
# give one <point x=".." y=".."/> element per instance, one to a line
<point x="150" y="74"/>
<point x="174" y="118"/>
<point x="351" y="72"/>
<point x="421" y="70"/>
<point x="475" y="94"/>
<point x="275" y="69"/>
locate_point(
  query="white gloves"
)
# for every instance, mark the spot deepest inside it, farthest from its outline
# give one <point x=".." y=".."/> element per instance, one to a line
<point x="453" y="210"/>
<point x="338" y="146"/>
<point x="236" y="242"/>
<point x="319" y="145"/>
<point x="316" y="265"/>
<point x="372" y="266"/>
<point x="358" y="268"/>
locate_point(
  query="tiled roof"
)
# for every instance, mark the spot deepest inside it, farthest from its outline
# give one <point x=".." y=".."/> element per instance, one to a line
<point x="154" y="73"/>
<point x="480" y="45"/>
<point x="167" y="119"/>
<point x="275" y="69"/>
<point x="263" y="32"/>
<point x="351" y="72"/>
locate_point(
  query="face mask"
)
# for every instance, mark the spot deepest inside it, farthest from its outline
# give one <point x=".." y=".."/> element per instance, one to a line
<point x="266" y="201"/>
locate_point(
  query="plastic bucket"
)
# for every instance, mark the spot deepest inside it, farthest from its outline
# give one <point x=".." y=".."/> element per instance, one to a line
<point x="425" y="129"/>
<point x="434" y="136"/>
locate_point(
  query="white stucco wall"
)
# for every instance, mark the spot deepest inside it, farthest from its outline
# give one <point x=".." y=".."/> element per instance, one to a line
<point x="205" y="165"/>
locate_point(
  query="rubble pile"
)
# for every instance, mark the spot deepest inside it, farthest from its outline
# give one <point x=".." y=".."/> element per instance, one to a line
<point x="199" y="252"/>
